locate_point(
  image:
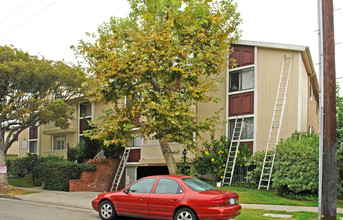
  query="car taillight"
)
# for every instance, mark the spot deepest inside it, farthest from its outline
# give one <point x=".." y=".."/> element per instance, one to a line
<point x="233" y="200"/>
<point x="225" y="200"/>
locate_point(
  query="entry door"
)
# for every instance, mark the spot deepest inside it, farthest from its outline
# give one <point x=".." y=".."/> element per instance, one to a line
<point x="131" y="175"/>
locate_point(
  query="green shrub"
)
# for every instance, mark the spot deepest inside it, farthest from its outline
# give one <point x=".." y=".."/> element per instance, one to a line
<point x="255" y="161"/>
<point x="24" y="167"/>
<point x="296" y="165"/>
<point x="56" y="175"/>
<point x="340" y="172"/>
<point x="90" y="148"/>
<point x="113" y="151"/>
<point x="213" y="157"/>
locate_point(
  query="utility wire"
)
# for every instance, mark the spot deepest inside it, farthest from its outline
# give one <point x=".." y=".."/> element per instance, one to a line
<point x="14" y="11"/>
<point x="33" y="16"/>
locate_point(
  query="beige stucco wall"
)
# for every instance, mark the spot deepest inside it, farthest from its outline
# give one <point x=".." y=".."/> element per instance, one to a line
<point x="209" y="109"/>
<point x="23" y="135"/>
<point x="313" y="111"/>
<point x="304" y="97"/>
<point x="269" y="63"/>
<point x="14" y="149"/>
<point x="151" y="154"/>
<point x="99" y="109"/>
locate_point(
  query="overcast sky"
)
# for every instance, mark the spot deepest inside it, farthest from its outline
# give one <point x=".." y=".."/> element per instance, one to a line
<point x="49" y="27"/>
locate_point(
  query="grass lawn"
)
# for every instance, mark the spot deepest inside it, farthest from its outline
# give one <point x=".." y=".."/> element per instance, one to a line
<point x="256" y="214"/>
<point x="255" y="196"/>
<point x="20" y="182"/>
<point x="17" y="182"/>
<point x="13" y="191"/>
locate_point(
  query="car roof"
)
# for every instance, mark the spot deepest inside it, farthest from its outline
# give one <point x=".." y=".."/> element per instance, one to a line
<point x="170" y="176"/>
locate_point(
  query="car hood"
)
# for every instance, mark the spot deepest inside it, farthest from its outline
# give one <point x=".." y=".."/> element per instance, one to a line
<point x="102" y="195"/>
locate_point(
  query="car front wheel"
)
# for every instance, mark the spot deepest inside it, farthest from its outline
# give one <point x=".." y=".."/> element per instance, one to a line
<point x="107" y="210"/>
<point x="185" y="214"/>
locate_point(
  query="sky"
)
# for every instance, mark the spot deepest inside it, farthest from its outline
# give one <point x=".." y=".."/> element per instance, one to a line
<point x="49" y="27"/>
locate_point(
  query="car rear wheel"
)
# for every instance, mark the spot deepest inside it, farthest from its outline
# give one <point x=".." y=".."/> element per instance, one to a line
<point x="107" y="210"/>
<point x="185" y="214"/>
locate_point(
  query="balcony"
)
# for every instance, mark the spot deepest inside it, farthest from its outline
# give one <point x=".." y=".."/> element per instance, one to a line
<point x="50" y="129"/>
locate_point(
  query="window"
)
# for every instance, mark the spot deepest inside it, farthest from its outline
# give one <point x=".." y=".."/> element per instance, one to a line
<point x="168" y="186"/>
<point x="248" y="129"/>
<point x="84" y="116"/>
<point x="197" y="185"/>
<point x="85" y="109"/>
<point x="136" y="141"/>
<point x="59" y="144"/>
<point x="143" y="186"/>
<point x="241" y="80"/>
<point x="33" y="147"/>
<point x="33" y="140"/>
<point x="310" y="92"/>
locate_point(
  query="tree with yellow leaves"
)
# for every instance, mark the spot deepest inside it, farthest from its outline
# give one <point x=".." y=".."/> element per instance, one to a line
<point x="164" y="57"/>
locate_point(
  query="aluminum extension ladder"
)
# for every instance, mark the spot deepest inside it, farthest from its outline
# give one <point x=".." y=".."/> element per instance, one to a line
<point x="274" y="133"/>
<point x="121" y="168"/>
<point x="234" y="146"/>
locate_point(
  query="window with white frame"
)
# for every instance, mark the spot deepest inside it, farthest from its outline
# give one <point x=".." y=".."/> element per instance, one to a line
<point x="310" y="92"/>
<point x="137" y="141"/>
<point x="59" y="143"/>
<point x="241" y="80"/>
<point x="248" y="129"/>
<point x="84" y="116"/>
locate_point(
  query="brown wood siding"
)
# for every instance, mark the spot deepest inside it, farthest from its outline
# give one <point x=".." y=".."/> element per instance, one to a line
<point x="250" y="146"/>
<point x="135" y="155"/>
<point x="33" y="132"/>
<point x="241" y="104"/>
<point x="244" y="55"/>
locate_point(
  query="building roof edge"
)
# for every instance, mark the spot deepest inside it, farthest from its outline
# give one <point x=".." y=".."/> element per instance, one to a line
<point x="273" y="45"/>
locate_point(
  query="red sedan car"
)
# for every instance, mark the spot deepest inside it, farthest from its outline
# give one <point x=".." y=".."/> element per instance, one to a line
<point x="168" y="197"/>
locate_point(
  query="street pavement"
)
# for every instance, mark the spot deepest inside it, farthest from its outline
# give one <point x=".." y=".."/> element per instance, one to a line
<point x="83" y="200"/>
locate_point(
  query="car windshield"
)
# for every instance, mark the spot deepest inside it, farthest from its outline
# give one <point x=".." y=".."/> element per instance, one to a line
<point x="197" y="185"/>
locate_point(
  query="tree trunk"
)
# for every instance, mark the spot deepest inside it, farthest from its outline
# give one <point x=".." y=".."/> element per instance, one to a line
<point x="3" y="176"/>
<point x="168" y="156"/>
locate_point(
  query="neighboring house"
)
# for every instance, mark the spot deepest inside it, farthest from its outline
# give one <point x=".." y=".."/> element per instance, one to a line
<point x="249" y="91"/>
<point x="13" y="151"/>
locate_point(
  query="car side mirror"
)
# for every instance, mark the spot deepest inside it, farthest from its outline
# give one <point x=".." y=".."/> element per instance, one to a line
<point x="126" y="190"/>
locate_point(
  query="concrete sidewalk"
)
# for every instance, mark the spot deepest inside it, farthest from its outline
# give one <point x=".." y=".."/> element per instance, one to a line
<point x="70" y="199"/>
<point x="83" y="200"/>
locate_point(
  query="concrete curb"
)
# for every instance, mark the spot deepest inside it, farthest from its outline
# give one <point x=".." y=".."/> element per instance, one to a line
<point x="286" y="208"/>
<point x="83" y="200"/>
<point x="8" y="197"/>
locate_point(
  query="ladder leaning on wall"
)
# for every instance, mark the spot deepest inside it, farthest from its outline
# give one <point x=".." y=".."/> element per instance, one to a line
<point x="121" y="168"/>
<point x="273" y="138"/>
<point x="233" y="150"/>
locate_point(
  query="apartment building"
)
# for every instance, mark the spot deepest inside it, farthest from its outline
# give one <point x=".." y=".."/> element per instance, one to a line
<point x="249" y="90"/>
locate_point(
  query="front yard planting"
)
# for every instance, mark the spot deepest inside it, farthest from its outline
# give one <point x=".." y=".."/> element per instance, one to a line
<point x="257" y="214"/>
<point x="255" y="196"/>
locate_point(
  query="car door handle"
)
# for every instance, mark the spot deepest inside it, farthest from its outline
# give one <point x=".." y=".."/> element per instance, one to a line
<point x="142" y="198"/>
<point x="173" y="199"/>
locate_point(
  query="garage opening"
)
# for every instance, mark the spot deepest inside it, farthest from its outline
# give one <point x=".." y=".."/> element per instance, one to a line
<point x="151" y="170"/>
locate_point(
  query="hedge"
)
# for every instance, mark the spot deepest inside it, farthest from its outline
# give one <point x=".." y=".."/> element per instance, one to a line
<point x="56" y="175"/>
<point x="22" y="167"/>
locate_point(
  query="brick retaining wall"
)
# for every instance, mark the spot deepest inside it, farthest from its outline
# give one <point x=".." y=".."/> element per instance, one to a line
<point x="99" y="180"/>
